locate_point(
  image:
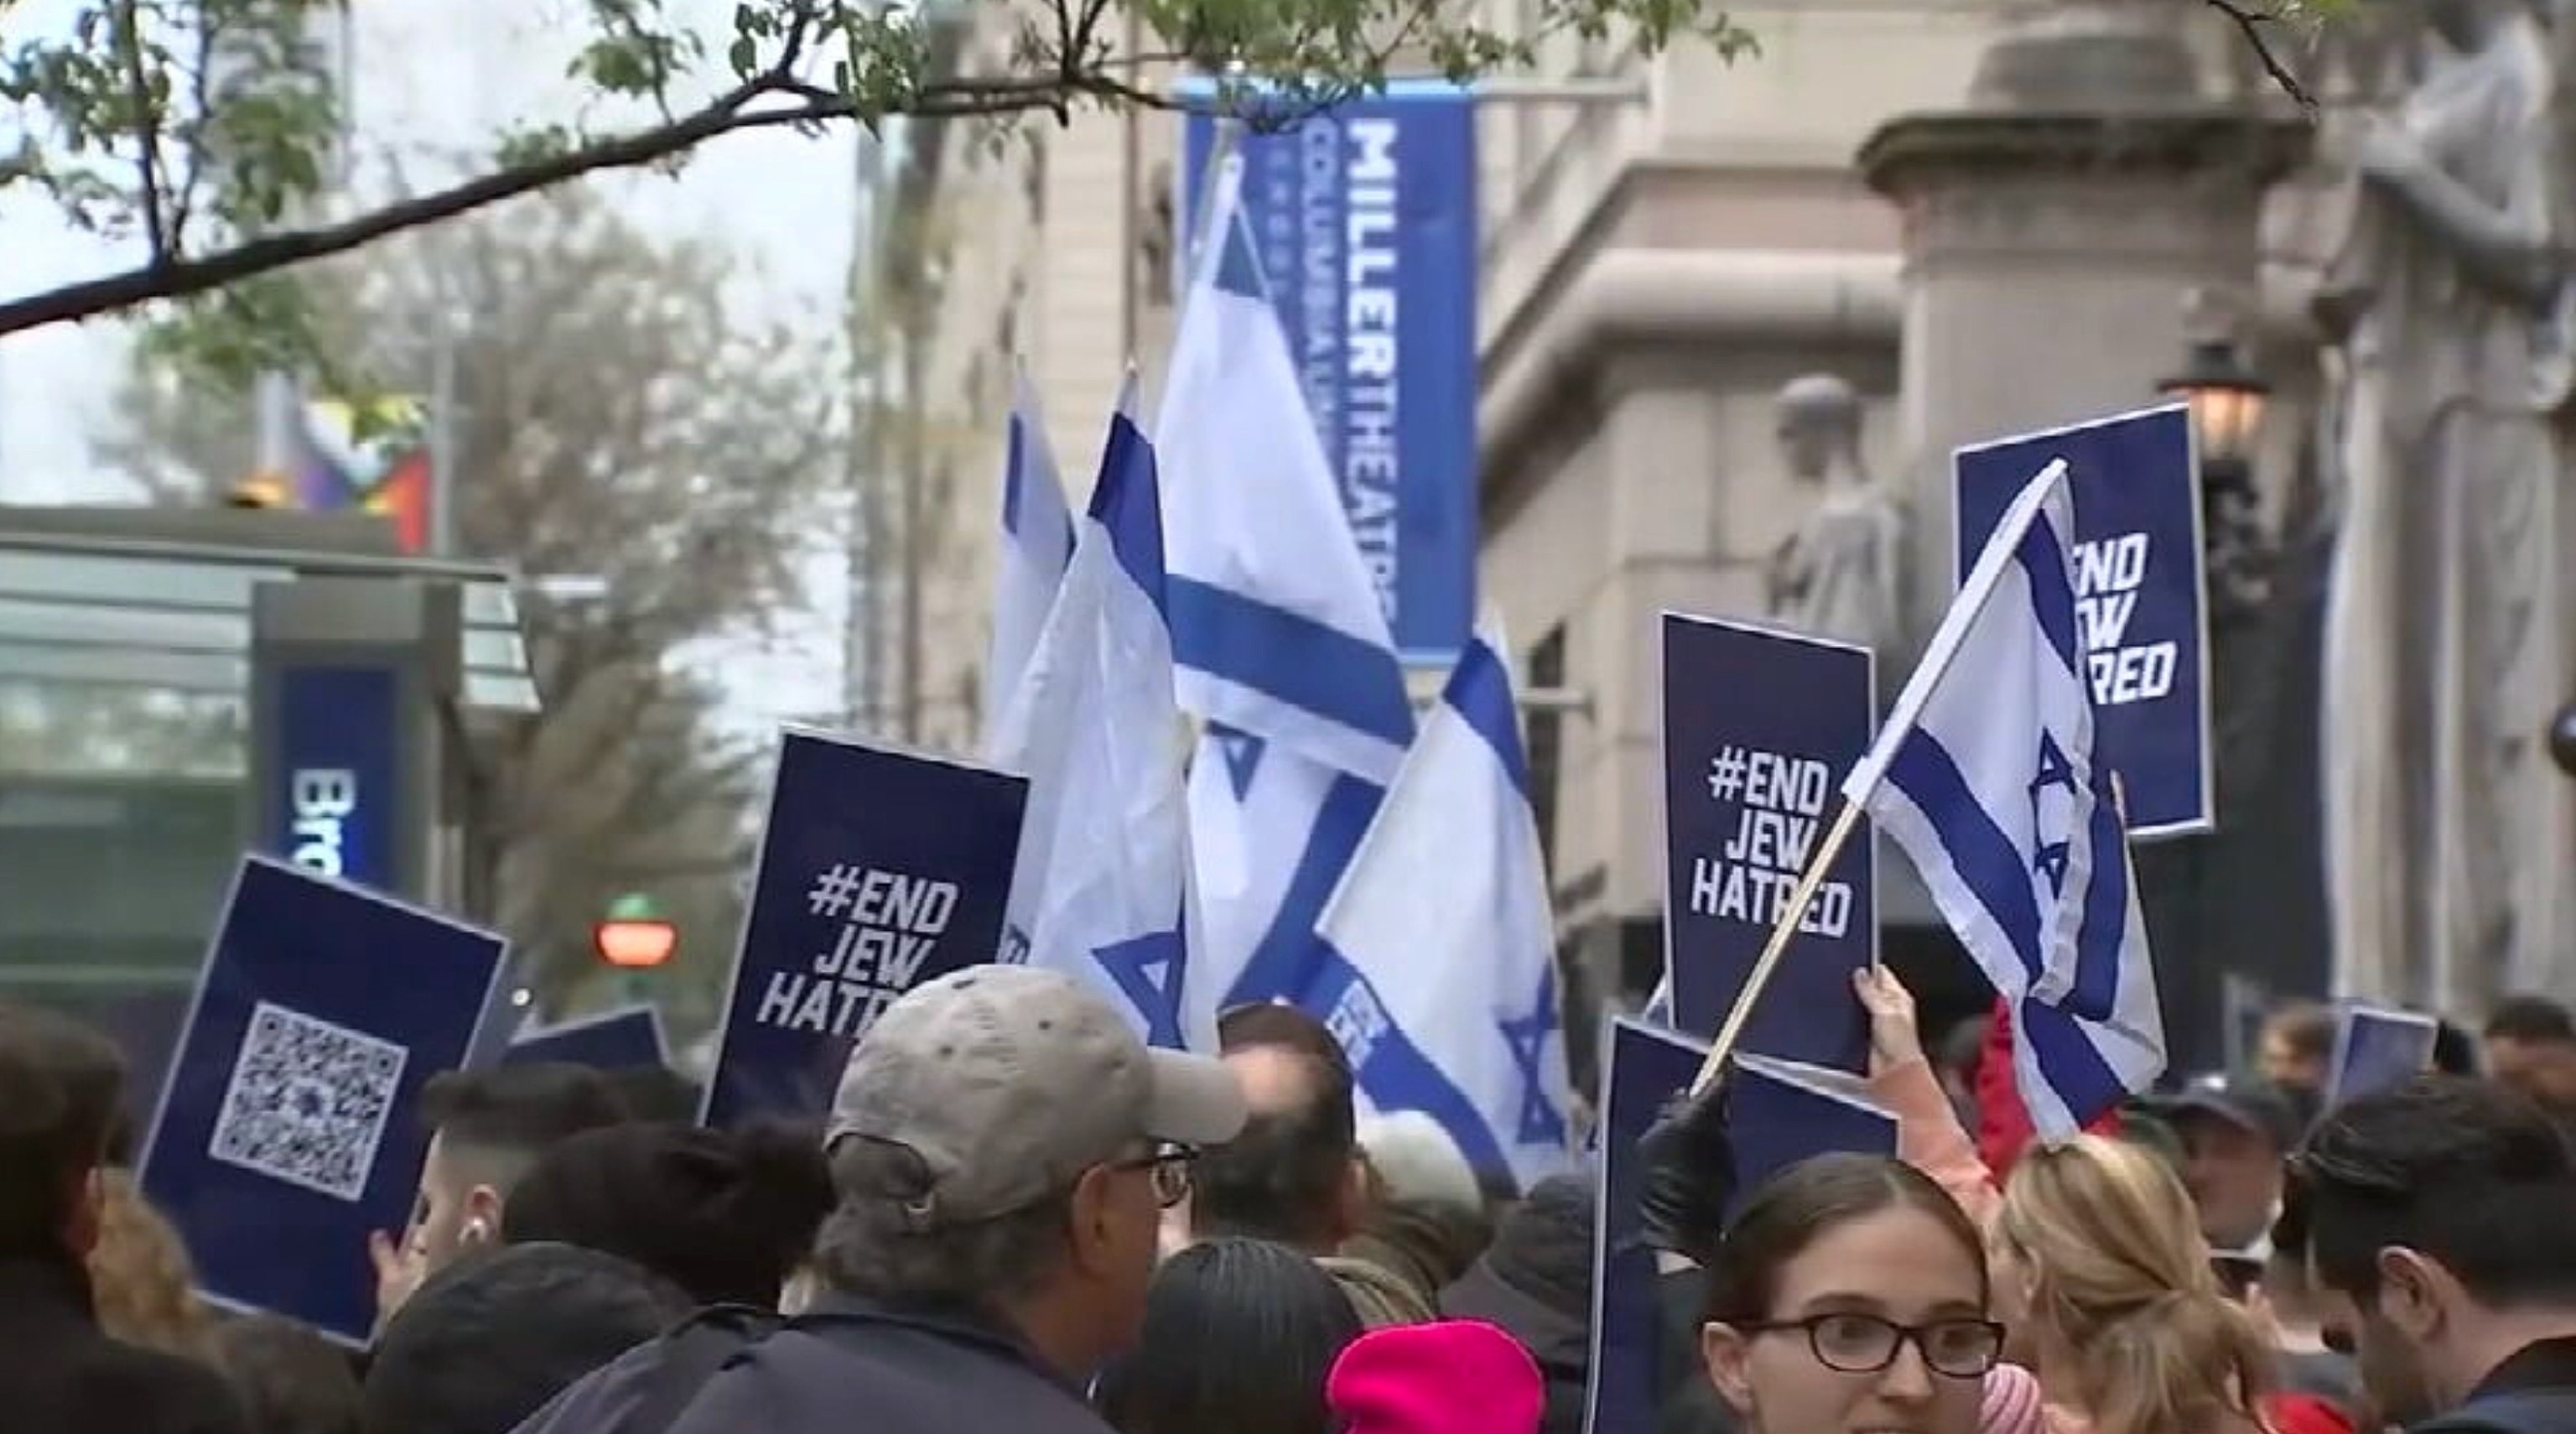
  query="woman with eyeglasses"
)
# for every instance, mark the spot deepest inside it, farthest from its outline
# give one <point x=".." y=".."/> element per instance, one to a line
<point x="2099" y="1267"/>
<point x="1849" y="1296"/>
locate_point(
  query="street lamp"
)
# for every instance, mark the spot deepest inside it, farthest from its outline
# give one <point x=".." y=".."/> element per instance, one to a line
<point x="2226" y="399"/>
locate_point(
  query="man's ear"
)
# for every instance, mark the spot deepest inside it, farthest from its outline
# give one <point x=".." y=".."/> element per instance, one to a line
<point x="2414" y="1293"/>
<point x="1358" y="1198"/>
<point x="1091" y="1222"/>
<point x="1727" y="1354"/>
<point x="480" y="1222"/>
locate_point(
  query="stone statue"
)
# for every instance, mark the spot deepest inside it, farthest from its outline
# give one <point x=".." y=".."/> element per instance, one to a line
<point x="2445" y="634"/>
<point x="1839" y="575"/>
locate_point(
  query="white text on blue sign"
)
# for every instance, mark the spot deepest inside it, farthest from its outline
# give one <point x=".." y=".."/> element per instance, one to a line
<point x="1780" y="805"/>
<point x="2108" y="574"/>
<point x="319" y="802"/>
<point x="887" y="925"/>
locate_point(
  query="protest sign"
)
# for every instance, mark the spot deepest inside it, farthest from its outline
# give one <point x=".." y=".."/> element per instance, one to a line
<point x="1779" y="1113"/>
<point x="288" y="1130"/>
<point x="1759" y="726"/>
<point x="1643" y="1066"/>
<point x="878" y="870"/>
<point x="611" y="1041"/>
<point x="2141" y="614"/>
<point x="2377" y="1049"/>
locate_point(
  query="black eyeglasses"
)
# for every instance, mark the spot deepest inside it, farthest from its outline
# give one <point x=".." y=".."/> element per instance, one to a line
<point x="1866" y="1344"/>
<point x="1171" y="1172"/>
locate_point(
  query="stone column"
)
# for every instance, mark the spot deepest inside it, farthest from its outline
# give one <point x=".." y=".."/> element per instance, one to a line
<point x="2053" y="225"/>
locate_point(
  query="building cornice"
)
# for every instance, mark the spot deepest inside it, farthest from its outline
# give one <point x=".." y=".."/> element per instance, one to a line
<point x="1664" y="297"/>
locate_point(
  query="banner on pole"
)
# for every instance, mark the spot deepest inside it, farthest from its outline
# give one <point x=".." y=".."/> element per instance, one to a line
<point x="288" y="1130"/>
<point x="2141" y="608"/>
<point x="878" y="870"/>
<point x="1759" y="727"/>
<point x="1366" y="220"/>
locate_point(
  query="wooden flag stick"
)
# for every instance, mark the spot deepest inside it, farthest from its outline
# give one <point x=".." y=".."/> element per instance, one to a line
<point x="1783" y="927"/>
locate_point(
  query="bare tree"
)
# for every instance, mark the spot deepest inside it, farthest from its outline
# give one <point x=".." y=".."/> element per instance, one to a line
<point x="615" y="414"/>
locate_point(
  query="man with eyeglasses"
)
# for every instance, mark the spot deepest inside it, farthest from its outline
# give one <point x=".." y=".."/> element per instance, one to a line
<point x="1003" y="1148"/>
<point x="2441" y="1229"/>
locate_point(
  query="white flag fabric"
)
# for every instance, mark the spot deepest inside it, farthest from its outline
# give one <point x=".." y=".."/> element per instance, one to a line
<point x="1988" y="774"/>
<point x="1037" y="543"/>
<point x="1102" y="888"/>
<point x="1284" y="650"/>
<point x="1441" y="971"/>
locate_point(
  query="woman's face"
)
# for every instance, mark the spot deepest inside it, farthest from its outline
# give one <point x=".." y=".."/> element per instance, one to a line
<point x="1900" y="1266"/>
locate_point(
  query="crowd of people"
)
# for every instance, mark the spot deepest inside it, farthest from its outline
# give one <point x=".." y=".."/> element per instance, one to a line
<point x="1017" y="1217"/>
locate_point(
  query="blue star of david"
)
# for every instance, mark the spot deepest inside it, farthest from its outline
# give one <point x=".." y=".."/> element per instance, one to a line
<point x="2048" y="858"/>
<point x="1147" y="969"/>
<point x="1242" y="753"/>
<point x="1541" y="1123"/>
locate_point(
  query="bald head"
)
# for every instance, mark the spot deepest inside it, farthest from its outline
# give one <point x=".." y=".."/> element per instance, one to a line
<point x="1294" y="1175"/>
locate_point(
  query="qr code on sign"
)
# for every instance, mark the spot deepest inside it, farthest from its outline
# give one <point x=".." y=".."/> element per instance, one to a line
<point x="307" y="1102"/>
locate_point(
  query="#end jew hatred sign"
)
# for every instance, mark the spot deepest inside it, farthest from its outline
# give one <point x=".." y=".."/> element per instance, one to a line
<point x="1759" y="728"/>
<point x="2140" y="607"/>
<point x="878" y="870"/>
<point x="1365" y="218"/>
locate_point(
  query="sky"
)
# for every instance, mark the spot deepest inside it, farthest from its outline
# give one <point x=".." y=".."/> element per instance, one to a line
<point x="433" y="78"/>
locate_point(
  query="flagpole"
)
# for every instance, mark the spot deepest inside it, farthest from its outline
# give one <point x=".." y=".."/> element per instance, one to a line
<point x="1865" y="776"/>
<point x="442" y="443"/>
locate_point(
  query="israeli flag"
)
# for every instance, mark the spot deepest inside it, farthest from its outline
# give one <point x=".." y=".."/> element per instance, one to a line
<point x="1285" y="654"/>
<point x="1037" y="543"/>
<point x="1102" y="887"/>
<point x="1449" y="1000"/>
<point x="1988" y="775"/>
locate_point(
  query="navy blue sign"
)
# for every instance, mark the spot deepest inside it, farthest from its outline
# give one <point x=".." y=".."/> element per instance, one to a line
<point x="1367" y="225"/>
<point x="288" y="1130"/>
<point x="2139" y="596"/>
<point x="879" y="870"/>
<point x="335" y="808"/>
<point x="2377" y="1049"/>
<point x="1643" y="1066"/>
<point x="1760" y="728"/>
<point x="1779" y="1113"/>
<point x="615" y="1041"/>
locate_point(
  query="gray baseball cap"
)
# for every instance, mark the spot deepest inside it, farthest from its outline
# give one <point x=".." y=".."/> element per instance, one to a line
<point x="1007" y="1082"/>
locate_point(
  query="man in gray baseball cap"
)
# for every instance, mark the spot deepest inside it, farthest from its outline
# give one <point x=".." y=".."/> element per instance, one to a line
<point x="1003" y="1147"/>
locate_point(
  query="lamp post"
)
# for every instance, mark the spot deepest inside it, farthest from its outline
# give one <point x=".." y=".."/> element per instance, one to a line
<point x="2227" y="399"/>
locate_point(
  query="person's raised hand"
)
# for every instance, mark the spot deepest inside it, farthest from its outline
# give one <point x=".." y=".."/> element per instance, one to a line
<point x="398" y="1273"/>
<point x="1894" y="1038"/>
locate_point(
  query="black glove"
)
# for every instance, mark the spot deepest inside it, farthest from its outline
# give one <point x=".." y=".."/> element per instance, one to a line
<point x="1689" y="1175"/>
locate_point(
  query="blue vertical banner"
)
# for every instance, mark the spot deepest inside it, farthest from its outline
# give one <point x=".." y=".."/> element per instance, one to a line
<point x="879" y="870"/>
<point x="1365" y="217"/>
<point x="1760" y="727"/>
<point x="2141" y="605"/>
<point x="611" y="1041"/>
<point x="335" y="801"/>
<point x="1783" y="1113"/>
<point x="1644" y="1066"/>
<point x="289" y="1129"/>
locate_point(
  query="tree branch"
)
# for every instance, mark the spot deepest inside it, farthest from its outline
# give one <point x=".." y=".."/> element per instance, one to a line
<point x="147" y="133"/>
<point x="2250" y="23"/>
<point x="730" y="114"/>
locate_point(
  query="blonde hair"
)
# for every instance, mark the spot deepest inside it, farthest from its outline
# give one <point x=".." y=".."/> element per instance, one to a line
<point x="2125" y="1290"/>
<point x="141" y="1279"/>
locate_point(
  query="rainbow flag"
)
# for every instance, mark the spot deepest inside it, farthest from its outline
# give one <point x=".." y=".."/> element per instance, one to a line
<point x="333" y="468"/>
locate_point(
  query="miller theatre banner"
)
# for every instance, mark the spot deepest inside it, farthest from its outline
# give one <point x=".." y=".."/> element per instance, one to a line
<point x="1365" y="217"/>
